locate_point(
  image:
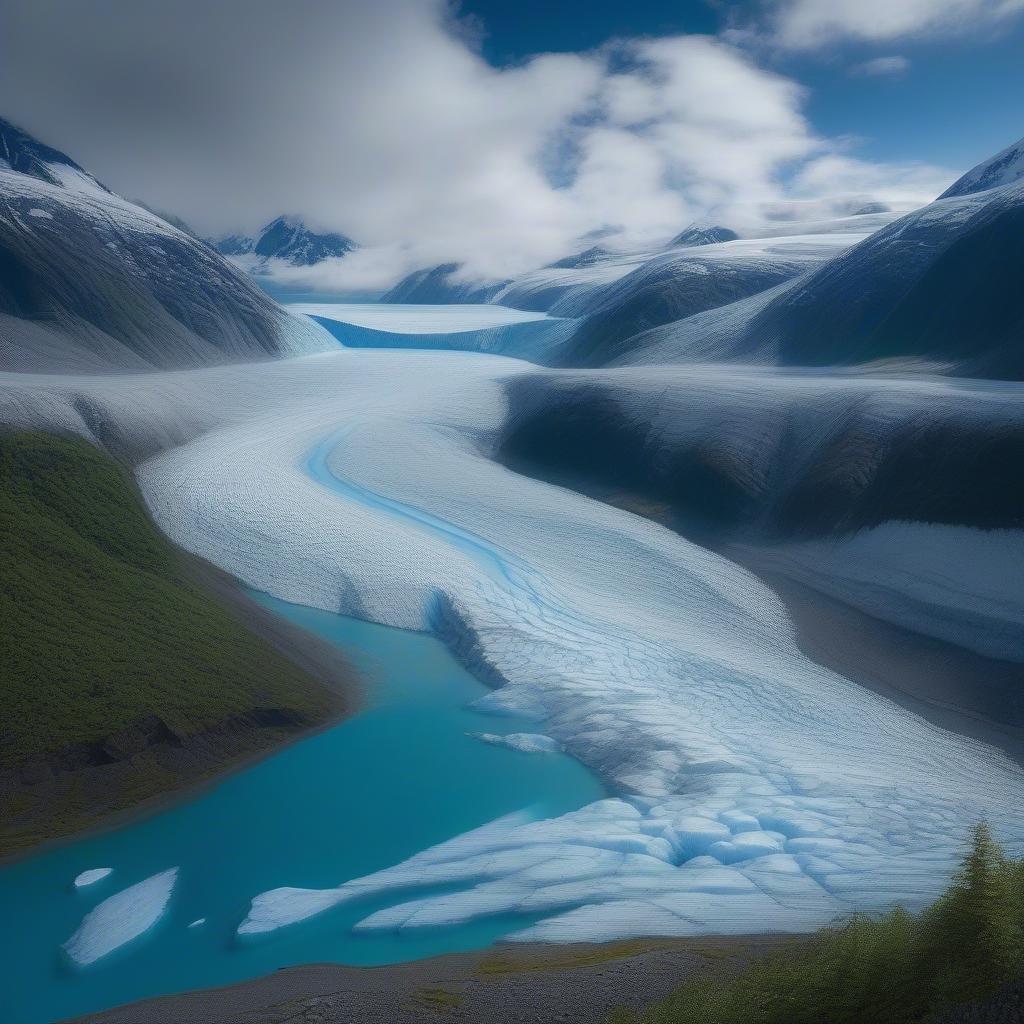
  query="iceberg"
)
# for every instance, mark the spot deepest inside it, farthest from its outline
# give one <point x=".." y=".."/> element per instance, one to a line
<point x="91" y="876"/>
<point x="120" y="918"/>
<point x="526" y="742"/>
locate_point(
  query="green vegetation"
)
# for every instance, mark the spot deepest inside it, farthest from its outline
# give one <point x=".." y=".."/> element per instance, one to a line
<point x="107" y="644"/>
<point x="896" y="969"/>
<point x="441" y="1000"/>
<point x="551" y="961"/>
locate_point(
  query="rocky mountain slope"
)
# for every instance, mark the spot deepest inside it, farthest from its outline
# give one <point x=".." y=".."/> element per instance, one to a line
<point x="90" y="281"/>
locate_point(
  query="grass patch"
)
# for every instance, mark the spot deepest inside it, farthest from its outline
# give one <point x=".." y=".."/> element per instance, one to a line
<point x="438" y="999"/>
<point x="104" y="633"/>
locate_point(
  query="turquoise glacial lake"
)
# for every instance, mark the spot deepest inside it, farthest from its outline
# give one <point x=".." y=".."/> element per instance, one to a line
<point x="398" y="777"/>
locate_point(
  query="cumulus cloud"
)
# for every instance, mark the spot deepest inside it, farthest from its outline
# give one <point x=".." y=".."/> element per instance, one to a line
<point x="881" y="67"/>
<point x="379" y="119"/>
<point x="807" y="24"/>
<point x="845" y="180"/>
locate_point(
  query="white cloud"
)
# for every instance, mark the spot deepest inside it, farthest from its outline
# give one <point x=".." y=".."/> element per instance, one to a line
<point x="807" y="24"/>
<point x="843" y="178"/>
<point x="375" y="118"/>
<point x="882" y="67"/>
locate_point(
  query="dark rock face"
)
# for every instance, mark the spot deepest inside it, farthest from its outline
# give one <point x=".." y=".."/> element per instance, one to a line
<point x="156" y="298"/>
<point x="668" y="288"/>
<point x="26" y="155"/>
<point x="755" y="473"/>
<point x="941" y="289"/>
<point x="435" y="287"/>
<point x="587" y="258"/>
<point x="289" y="239"/>
<point x="90" y="281"/>
<point x="694" y="235"/>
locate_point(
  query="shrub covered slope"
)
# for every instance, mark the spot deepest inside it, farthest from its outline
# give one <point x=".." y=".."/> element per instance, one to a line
<point x="108" y="648"/>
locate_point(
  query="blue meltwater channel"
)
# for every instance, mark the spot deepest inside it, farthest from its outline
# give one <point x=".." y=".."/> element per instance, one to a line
<point x="395" y="779"/>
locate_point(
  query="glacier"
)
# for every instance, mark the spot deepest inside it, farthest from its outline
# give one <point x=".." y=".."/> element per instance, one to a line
<point x="120" y="918"/>
<point x="416" y="319"/>
<point x="752" y="789"/>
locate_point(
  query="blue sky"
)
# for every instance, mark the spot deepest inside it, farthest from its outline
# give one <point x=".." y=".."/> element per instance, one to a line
<point x="507" y="139"/>
<point x="960" y="99"/>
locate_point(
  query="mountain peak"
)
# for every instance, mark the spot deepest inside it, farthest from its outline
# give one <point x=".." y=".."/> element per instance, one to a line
<point x="1004" y="168"/>
<point x="287" y="238"/>
<point x="697" y="235"/>
<point x="22" y="153"/>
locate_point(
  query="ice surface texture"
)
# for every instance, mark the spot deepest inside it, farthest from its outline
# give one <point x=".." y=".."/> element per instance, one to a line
<point x="120" y="918"/>
<point x="754" y="789"/>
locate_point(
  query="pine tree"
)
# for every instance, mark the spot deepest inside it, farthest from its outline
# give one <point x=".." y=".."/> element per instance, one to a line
<point x="970" y="940"/>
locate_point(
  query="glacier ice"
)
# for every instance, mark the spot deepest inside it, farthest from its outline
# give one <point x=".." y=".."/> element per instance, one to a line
<point x="526" y="742"/>
<point x="754" y="789"/>
<point x="403" y="319"/>
<point x="90" y="876"/>
<point x="120" y="918"/>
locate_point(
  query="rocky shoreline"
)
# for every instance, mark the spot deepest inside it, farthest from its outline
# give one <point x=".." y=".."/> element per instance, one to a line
<point x="507" y="983"/>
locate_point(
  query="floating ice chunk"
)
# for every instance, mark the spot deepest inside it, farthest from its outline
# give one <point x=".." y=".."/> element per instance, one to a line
<point x="527" y="742"/>
<point x="91" y="876"/>
<point x="121" y="918"/>
<point x="278" y="907"/>
<point x="42" y="214"/>
<point x="198" y="922"/>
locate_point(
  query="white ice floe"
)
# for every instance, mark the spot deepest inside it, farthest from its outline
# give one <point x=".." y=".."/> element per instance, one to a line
<point x="755" y="789"/>
<point x="120" y="918"/>
<point x="91" y="876"/>
<point x="198" y="922"/>
<point x="526" y="742"/>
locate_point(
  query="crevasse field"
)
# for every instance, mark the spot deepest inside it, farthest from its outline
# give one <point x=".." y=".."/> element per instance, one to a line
<point x="751" y="789"/>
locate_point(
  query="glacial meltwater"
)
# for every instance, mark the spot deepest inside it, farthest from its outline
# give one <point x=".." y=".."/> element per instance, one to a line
<point x="400" y="776"/>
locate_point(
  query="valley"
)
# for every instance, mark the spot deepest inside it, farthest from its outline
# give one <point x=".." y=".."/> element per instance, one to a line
<point x="570" y="554"/>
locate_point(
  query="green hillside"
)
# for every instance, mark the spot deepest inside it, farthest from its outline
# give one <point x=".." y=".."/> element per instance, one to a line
<point x="109" y="651"/>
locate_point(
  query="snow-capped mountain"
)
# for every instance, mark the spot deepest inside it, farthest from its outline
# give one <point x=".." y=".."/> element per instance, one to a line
<point x="1003" y="169"/>
<point x="440" y="285"/>
<point x="26" y="155"/>
<point x="696" y="235"/>
<point x="686" y="281"/>
<point x="288" y="239"/>
<point x="91" y="281"/>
